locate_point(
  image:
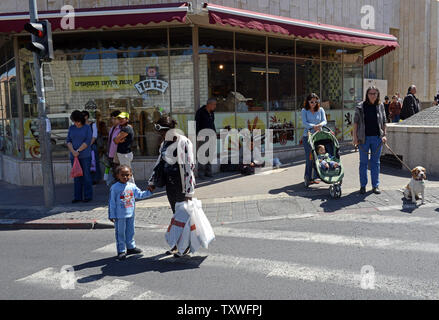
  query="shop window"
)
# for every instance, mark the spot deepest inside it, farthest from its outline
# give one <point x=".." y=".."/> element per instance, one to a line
<point x="249" y="43"/>
<point x="76" y="42"/>
<point x="352" y="85"/>
<point x="307" y="50"/>
<point x="217" y="80"/>
<point x="281" y="84"/>
<point x="210" y="39"/>
<point x="182" y="81"/>
<point x="283" y="124"/>
<point x="180" y="37"/>
<point x="251" y="83"/>
<point x="280" y="47"/>
<point x="307" y="79"/>
<point x="330" y="53"/>
<point x="331" y="85"/>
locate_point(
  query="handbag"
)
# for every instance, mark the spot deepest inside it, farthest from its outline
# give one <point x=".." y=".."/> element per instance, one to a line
<point x="76" y="169"/>
<point x="159" y="179"/>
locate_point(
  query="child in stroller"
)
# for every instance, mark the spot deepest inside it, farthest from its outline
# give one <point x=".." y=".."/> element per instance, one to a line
<point x="325" y="160"/>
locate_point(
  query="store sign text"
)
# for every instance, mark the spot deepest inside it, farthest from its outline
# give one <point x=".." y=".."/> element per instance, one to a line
<point x="151" y="84"/>
<point x="103" y="83"/>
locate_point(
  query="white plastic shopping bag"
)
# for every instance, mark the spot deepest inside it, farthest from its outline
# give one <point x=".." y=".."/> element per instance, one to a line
<point x="177" y="233"/>
<point x="203" y="229"/>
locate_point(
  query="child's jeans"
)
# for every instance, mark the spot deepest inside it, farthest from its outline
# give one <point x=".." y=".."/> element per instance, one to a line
<point x="124" y="234"/>
<point x="323" y="165"/>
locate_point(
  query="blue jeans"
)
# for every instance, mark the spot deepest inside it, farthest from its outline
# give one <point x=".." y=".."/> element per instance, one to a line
<point x="124" y="234"/>
<point x="83" y="184"/>
<point x="396" y="118"/>
<point x="371" y="144"/>
<point x="308" y="166"/>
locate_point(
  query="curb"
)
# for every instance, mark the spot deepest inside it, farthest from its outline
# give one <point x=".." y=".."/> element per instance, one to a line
<point x="52" y="224"/>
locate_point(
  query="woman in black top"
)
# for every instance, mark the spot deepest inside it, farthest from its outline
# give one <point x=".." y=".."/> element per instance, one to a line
<point x="369" y="134"/>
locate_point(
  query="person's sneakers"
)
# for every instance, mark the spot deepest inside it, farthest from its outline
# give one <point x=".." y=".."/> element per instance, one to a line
<point x="362" y="190"/>
<point x="172" y="251"/>
<point x="314" y="182"/>
<point x="134" y="251"/>
<point x="376" y="190"/>
<point x="179" y="255"/>
<point x="121" y="256"/>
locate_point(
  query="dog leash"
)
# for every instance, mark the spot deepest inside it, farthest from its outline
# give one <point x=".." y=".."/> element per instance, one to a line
<point x="405" y="165"/>
<point x="379" y="146"/>
<point x="408" y="168"/>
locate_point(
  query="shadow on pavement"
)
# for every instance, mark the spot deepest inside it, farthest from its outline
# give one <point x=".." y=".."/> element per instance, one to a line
<point x="138" y="264"/>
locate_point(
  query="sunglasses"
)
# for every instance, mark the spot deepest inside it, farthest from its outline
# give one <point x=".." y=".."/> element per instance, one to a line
<point x="159" y="127"/>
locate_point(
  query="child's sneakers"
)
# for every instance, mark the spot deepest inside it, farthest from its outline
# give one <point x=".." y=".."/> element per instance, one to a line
<point x="121" y="256"/>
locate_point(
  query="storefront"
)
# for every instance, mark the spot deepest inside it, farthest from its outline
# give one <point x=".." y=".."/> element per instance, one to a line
<point x="167" y="59"/>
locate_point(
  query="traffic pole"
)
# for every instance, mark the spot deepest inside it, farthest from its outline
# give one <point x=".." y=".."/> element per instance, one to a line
<point x="44" y="123"/>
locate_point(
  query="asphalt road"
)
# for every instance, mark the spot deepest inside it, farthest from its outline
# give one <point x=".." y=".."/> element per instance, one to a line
<point x="324" y="256"/>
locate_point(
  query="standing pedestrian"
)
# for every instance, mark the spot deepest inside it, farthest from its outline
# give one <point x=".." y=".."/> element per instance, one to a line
<point x="178" y="174"/>
<point x="124" y="140"/>
<point x="410" y="105"/>
<point x="395" y="109"/>
<point x="78" y="142"/>
<point x="111" y="145"/>
<point x="313" y="119"/>
<point x="121" y="210"/>
<point x="369" y="134"/>
<point x="205" y="119"/>
<point x="386" y="107"/>
<point x="95" y="166"/>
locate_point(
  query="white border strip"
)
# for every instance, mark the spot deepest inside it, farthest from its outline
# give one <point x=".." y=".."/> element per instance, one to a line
<point x="97" y="13"/>
<point x="300" y="24"/>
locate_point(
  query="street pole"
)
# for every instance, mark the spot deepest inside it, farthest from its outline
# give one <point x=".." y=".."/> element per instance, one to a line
<point x="44" y="125"/>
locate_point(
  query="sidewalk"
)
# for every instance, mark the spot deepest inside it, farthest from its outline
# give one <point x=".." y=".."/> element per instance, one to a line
<point x="227" y="198"/>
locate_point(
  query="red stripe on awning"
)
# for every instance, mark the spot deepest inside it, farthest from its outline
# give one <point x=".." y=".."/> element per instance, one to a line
<point x="100" y="17"/>
<point x="299" y="28"/>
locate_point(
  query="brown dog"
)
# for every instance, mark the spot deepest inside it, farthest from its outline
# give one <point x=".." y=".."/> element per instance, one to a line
<point x="416" y="185"/>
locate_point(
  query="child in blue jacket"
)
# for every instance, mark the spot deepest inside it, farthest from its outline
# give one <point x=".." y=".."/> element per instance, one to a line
<point x="121" y="210"/>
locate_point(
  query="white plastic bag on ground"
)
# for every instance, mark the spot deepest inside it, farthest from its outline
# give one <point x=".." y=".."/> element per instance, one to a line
<point x="177" y="233"/>
<point x="203" y="230"/>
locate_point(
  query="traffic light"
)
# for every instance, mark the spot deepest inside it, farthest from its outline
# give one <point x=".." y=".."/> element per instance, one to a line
<point x="42" y="43"/>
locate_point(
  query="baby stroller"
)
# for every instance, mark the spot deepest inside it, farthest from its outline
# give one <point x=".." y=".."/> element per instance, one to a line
<point x="334" y="177"/>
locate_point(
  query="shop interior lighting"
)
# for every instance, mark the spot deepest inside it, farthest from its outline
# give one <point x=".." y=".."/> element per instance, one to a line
<point x="263" y="70"/>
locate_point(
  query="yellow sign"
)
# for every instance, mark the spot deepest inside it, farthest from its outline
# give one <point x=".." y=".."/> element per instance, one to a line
<point x="103" y="83"/>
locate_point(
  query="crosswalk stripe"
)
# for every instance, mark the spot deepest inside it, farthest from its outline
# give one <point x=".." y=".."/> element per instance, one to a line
<point x="45" y="275"/>
<point x="375" y="218"/>
<point x="330" y="239"/>
<point x="279" y="269"/>
<point x="321" y="238"/>
<point x="108" y="290"/>
<point x="150" y="295"/>
<point x="98" y="289"/>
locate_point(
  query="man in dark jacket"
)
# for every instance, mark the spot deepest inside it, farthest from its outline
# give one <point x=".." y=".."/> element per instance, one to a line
<point x="205" y="119"/>
<point x="410" y="105"/>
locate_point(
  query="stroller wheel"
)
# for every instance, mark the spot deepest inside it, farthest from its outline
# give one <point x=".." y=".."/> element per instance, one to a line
<point x="332" y="191"/>
<point x="337" y="191"/>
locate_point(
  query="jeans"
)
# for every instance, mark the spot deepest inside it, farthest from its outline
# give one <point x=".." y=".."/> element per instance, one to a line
<point x="174" y="191"/>
<point x="396" y="118"/>
<point x="371" y="143"/>
<point x="124" y="234"/>
<point x="96" y="176"/>
<point x="83" y="185"/>
<point x="309" y="164"/>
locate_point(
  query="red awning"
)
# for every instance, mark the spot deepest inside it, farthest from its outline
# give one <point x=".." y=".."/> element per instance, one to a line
<point x="100" y="17"/>
<point x="382" y="43"/>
